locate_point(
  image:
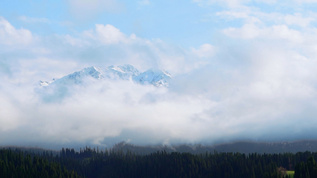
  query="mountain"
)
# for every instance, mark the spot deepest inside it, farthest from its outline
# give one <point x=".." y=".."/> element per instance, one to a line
<point x="153" y="77"/>
<point x="241" y="147"/>
<point x="124" y="72"/>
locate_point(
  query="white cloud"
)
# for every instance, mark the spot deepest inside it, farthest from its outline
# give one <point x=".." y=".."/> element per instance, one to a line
<point x="9" y="35"/>
<point x="8" y="113"/>
<point x="205" y="50"/>
<point x="99" y="114"/>
<point x="75" y="41"/>
<point x="108" y="34"/>
<point x="33" y="20"/>
<point x="234" y="14"/>
<point x="105" y="34"/>
<point x="276" y="32"/>
<point x="99" y="107"/>
<point x="108" y="45"/>
<point x="255" y="16"/>
<point x="248" y="31"/>
<point x="297" y="19"/>
<point x="258" y="83"/>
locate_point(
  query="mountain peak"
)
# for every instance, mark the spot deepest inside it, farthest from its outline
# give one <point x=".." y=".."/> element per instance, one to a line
<point x="153" y="77"/>
<point x="126" y="68"/>
<point x="92" y="71"/>
<point x="125" y="72"/>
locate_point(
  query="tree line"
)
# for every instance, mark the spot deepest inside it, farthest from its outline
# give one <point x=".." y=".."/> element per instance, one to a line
<point x="90" y="162"/>
<point x="16" y="163"/>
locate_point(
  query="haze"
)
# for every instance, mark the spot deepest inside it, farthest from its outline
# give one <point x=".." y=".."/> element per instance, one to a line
<point x="241" y="70"/>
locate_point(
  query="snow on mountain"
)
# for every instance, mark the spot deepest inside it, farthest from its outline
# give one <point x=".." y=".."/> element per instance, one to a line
<point x="153" y="77"/>
<point x="44" y="83"/>
<point x="124" y="72"/>
<point x="79" y="76"/>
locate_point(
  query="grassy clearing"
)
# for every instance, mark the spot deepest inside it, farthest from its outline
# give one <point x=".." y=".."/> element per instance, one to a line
<point x="290" y="173"/>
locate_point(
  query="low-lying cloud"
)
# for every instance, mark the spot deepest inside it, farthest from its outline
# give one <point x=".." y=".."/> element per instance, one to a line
<point x="256" y="83"/>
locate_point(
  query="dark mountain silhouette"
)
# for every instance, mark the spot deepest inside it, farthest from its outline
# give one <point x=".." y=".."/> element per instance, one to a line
<point x="241" y="147"/>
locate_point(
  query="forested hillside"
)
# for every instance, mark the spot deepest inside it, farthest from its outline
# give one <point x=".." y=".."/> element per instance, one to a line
<point x="18" y="164"/>
<point x="113" y="163"/>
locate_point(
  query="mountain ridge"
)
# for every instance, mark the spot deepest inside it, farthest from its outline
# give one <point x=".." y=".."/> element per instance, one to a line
<point x="239" y="147"/>
<point x="155" y="77"/>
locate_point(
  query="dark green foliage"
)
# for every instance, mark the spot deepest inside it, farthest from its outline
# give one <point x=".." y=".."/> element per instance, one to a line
<point x="109" y="163"/>
<point x="18" y="164"/>
<point x="91" y="163"/>
<point x="306" y="169"/>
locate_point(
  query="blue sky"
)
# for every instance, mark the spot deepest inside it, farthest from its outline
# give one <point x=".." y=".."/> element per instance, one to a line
<point x="242" y="69"/>
<point x="182" y="23"/>
<point x="143" y="18"/>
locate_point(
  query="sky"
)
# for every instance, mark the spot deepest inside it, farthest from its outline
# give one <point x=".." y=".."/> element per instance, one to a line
<point x="241" y="70"/>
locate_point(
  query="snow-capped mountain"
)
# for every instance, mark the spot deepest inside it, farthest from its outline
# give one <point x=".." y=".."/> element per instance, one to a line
<point x="124" y="72"/>
<point x="79" y="76"/>
<point x="153" y="77"/>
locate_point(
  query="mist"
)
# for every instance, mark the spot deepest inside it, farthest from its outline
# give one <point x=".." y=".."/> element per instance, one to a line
<point x="253" y="79"/>
<point x="207" y="105"/>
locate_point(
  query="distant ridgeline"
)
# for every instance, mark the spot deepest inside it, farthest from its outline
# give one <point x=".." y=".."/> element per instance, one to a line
<point x="241" y="147"/>
<point x="114" y="163"/>
<point x="155" y="77"/>
<point x="56" y="90"/>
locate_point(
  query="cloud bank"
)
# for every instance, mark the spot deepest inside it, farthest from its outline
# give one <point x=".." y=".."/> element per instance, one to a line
<point x="255" y="82"/>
